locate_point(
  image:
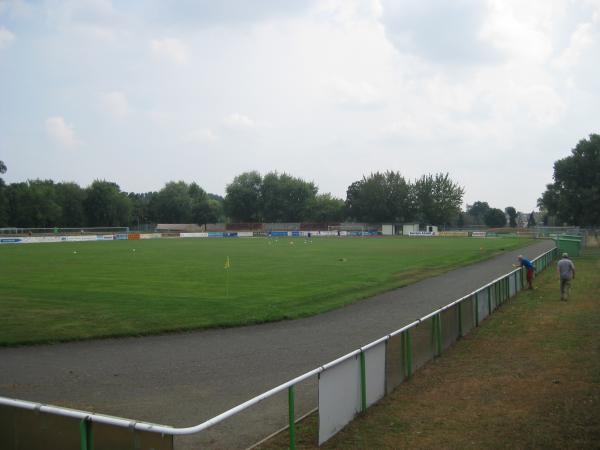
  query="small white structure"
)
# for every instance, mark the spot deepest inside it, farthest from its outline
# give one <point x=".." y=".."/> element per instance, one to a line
<point x="408" y="228"/>
<point x="414" y="229"/>
<point x="388" y="229"/>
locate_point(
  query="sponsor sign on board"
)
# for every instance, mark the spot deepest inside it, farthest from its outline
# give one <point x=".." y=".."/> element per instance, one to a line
<point x="81" y="238"/>
<point x="453" y="233"/>
<point x="10" y="241"/>
<point x="193" y="235"/>
<point x="422" y="233"/>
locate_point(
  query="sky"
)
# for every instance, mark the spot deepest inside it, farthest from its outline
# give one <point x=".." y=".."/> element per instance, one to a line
<point x="142" y="93"/>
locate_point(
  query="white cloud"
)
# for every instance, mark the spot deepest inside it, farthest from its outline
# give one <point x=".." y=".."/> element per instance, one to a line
<point x="200" y="136"/>
<point x="6" y="37"/>
<point x="115" y="103"/>
<point x="581" y="39"/>
<point x="520" y="32"/>
<point x="239" y="121"/>
<point x="95" y="19"/>
<point x="441" y="32"/>
<point x="61" y="132"/>
<point x="170" y="48"/>
<point x="361" y="94"/>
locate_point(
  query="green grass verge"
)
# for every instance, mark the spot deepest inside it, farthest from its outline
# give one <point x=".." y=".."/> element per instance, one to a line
<point x="528" y="378"/>
<point x="66" y="291"/>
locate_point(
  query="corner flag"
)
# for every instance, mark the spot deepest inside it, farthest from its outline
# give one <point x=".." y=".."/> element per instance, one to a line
<point x="227" y="264"/>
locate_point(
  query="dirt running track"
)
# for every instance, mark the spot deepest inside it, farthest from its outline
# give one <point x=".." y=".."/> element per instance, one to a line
<point x="184" y="379"/>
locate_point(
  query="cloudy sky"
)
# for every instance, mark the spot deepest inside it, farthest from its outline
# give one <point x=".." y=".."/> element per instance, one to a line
<point x="141" y="93"/>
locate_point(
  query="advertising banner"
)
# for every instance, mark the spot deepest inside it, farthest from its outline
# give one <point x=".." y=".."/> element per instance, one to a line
<point x="339" y="397"/>
<point x="83" y="238"/>
<point x="193" y="235"/>
<point x="11" y="240"/>
<point x="375" y="373"/>
<point x="453" y="233"/>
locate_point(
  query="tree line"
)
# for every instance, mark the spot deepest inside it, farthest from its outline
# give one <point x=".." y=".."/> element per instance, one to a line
<point x="481" y="213"/>
<point x="573" y="198"/>
<point x="377" y="198"/>
<point x="250" y="197"/>
<point x="45" y="204"/>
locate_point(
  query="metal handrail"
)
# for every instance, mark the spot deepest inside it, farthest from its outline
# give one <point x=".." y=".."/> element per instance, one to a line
<point x="168" y="430"/>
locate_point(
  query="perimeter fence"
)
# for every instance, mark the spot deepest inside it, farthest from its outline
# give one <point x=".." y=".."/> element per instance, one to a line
<point x="347" y="386"/>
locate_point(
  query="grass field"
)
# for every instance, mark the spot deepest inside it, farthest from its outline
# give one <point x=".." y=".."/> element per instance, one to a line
<point x="528" y="378"/>
<point x="53" y="292"/>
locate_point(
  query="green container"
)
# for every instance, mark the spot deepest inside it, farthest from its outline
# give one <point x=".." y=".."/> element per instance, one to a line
<point x="568" y="245"/>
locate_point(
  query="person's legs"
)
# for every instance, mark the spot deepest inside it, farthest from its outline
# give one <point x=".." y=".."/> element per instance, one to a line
<point x="564" y="289"/>
<point x="530" y="278"/>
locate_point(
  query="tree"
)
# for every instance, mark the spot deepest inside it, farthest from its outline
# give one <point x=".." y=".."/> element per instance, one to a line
<point x="380" y="197"/>
<point x="512" y="216"/>
<point x="478" y="210"/>
<point x="531" y="220"/>
<point x="438" y="198"/>
<point x="243" y="201"/>
<point x="495" y="218"/>
<point x="33" y="204"/>
<point x="105" y="205"/>
<point x="70" y="197"/>
<point x="324" y="208"/>
<point x="285" y="198"/>
<point x="142" y="208"/>
<point x="173" y="203"/>
<point x="3" y="198"/>
<point x="201" y="211"/>
<point x="574" y="196"/>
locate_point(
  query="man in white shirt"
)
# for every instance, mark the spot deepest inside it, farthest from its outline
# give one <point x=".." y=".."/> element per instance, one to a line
<point x="566" y="273"/>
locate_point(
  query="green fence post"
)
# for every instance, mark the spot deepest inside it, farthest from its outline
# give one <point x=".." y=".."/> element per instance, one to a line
<point x="460" y="320"/>
<point x="476" y="310"/>
<point x="363" y="382"/>
<point x="408" y="353"/>
<point x="489" y="301"/>
<point x="439" y="334"/>
<point x="86" y="434"/>
<point x="292" y="417"/>
<point x="434" y="335"/>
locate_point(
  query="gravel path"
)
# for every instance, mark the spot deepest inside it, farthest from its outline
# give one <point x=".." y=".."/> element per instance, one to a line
<point x="184" y="379"/>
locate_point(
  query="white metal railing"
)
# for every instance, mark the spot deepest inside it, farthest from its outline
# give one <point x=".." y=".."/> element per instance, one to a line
<point x="173" y="431"/>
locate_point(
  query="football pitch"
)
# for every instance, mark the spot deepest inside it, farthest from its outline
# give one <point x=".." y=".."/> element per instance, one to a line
<point x="67" y="291"/>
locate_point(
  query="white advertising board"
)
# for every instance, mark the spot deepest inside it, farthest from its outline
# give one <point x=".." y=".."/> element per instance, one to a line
<point x="150" y="236"/>
<point x="422" y="233"/>
<point x="81" y="238"/>
<point x="375" y="373"/>
<point x="192" y="235"/>
<point x="478" y="234"/>
<point x="339" y="397"/>
<point x="42" y="239"/>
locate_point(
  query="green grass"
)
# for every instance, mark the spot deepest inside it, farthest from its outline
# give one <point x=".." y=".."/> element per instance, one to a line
<point x="49" y="293"/>
<point x="528" y="378"/>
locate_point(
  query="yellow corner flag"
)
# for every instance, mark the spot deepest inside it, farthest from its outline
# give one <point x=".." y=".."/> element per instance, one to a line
<point x="227" y="264"/>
